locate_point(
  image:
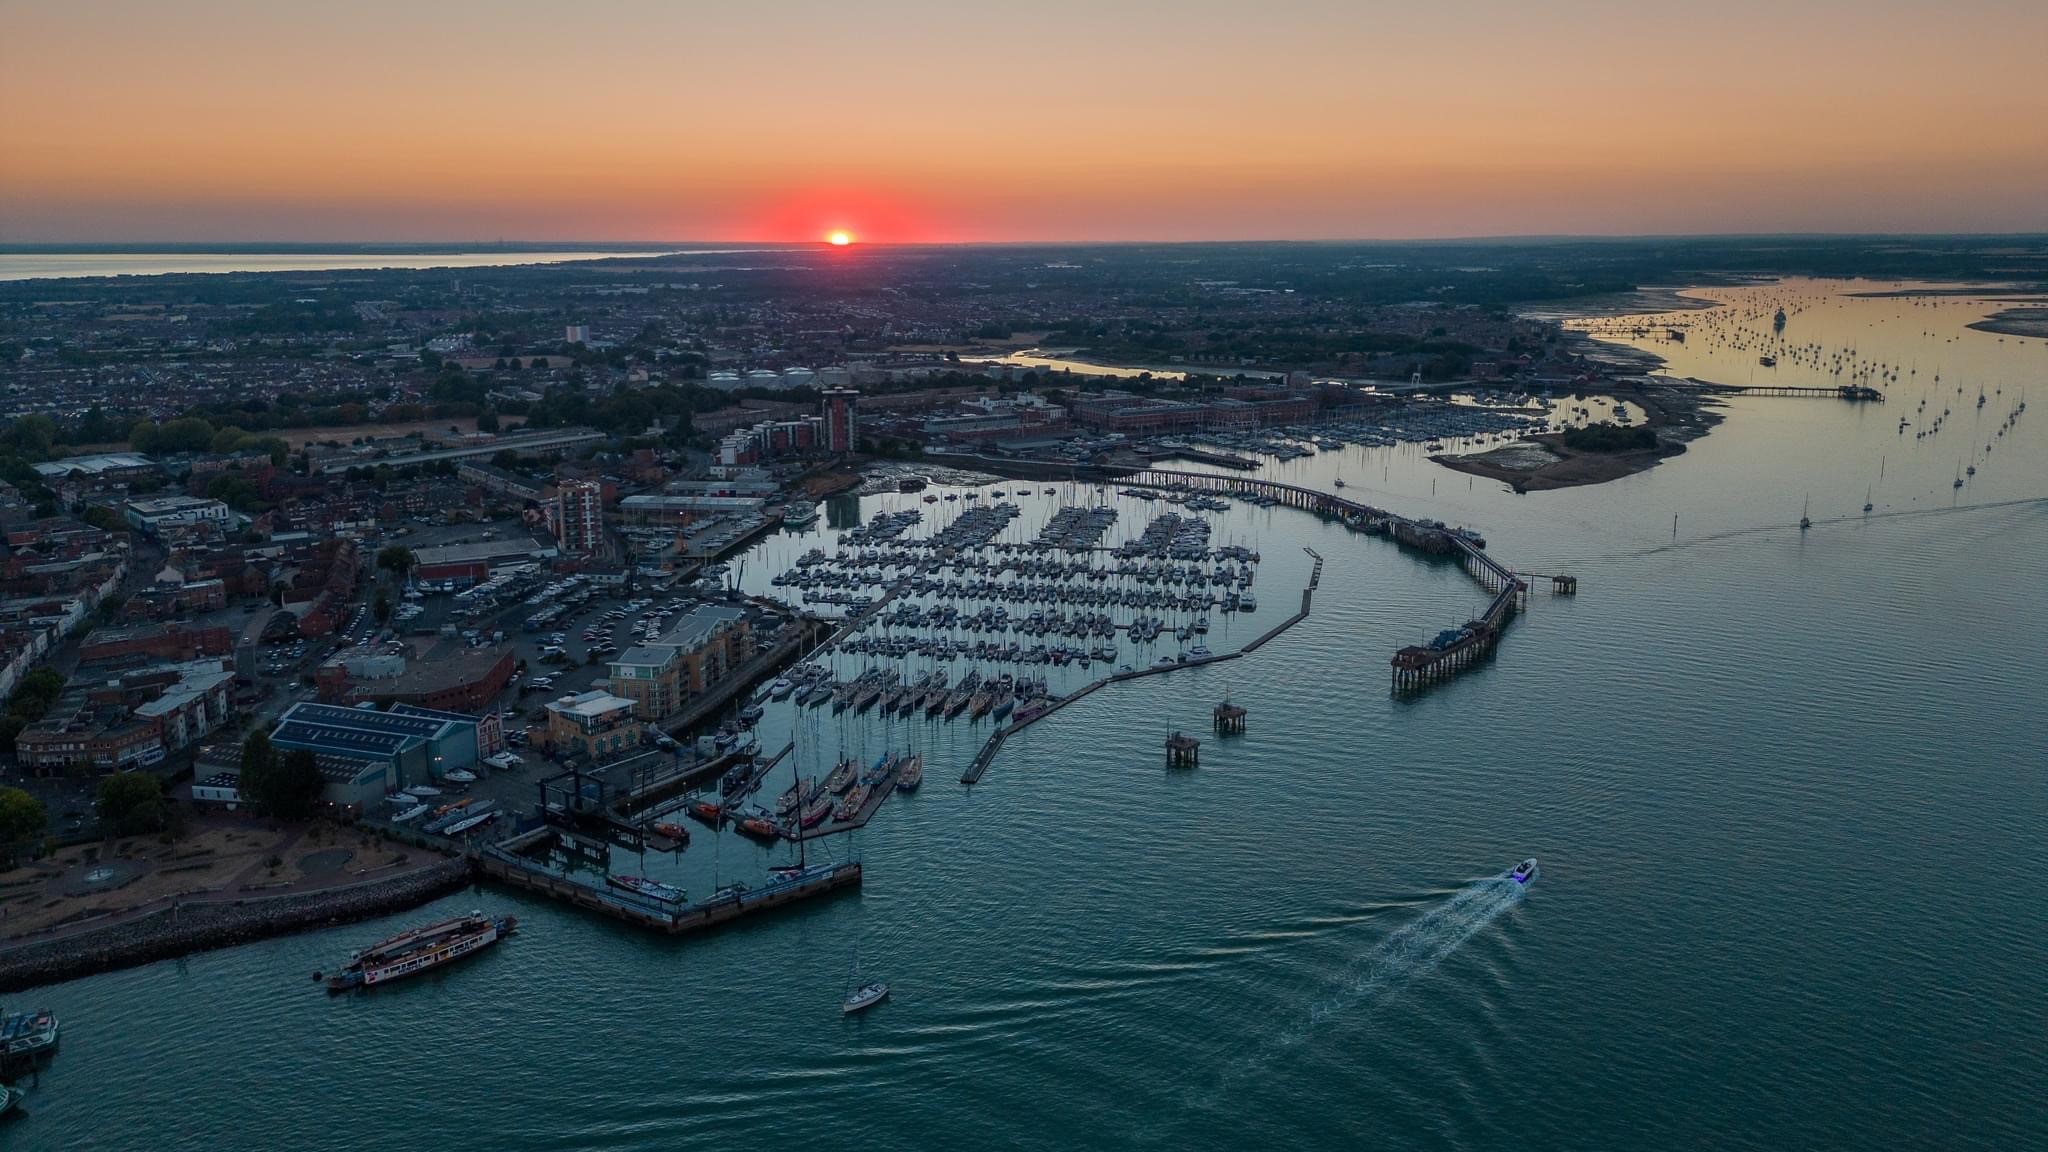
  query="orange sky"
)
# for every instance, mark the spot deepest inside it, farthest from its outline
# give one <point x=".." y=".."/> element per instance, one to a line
<point x="909" y="120"/>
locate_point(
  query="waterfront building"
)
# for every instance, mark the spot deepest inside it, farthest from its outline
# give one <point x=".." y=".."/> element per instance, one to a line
<point x="702" y="648"/>
<point x="842" y="421"/>
<point x="416" y="744"/>
<point x="596" y="724"/>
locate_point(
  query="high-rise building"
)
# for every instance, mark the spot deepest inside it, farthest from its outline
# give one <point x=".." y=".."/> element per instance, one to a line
<point x="842" y="427"/>
<point x="579" y="516"/>
<point x="576" y="334"/>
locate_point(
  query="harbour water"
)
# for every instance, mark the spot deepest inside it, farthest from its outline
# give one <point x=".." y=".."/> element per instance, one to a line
<point x="1787" y="789"/>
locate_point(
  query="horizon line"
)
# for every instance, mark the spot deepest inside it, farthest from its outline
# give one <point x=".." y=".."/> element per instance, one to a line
<point x="145" y="247"/>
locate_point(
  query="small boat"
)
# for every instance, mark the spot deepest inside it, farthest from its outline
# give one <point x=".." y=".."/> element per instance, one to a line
<point x="652" y="889"/>
<point x="816" y="812"/>
<point x="709" y="811"/>
<point x="29" y="1033"/>
<point x="412" y="813"/>
<point x="673" y="831"/>
<point x="759" y="827"/>
<point x="842" y="776"/>
<point x="420" y="949"/>
<point x="864" y="998"/>
<point x="459" y="776"/>
<point x="1525" y="871"/>
<point x="10" y="1098"/>
<point x="850" y="807"/>
<point x="750" y="713"/>
<point x="423" y="790"/>
<point x="912" y="774"/>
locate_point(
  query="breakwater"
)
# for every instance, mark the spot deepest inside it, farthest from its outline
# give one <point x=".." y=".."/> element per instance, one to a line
<point x="182" y="928"/>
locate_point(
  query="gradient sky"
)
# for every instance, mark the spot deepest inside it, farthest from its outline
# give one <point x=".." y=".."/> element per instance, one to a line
<point x="927" y="120"/>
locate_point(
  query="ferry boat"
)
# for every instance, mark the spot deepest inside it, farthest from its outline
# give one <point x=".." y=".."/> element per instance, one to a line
<point x="1525" y="871"/>
<point x="29" y="1033"/>
<point x="652" y="889"/>
<point x="912" y="774"/>
<point x="421" y="949"/>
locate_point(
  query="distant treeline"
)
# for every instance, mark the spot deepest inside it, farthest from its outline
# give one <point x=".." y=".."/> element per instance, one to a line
<point x="1610" y="438"/>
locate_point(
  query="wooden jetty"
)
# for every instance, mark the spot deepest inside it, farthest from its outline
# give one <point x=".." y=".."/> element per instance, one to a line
<point x="1856" y="393"/>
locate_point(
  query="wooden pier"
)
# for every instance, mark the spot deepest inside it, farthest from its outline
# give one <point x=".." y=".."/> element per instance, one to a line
<point x="1856" y="393"/>
<point x="1229" y="719"/>
<point x="1183" y="751"/>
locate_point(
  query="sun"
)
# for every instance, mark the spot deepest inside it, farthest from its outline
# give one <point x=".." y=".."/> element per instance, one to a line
<point x="840" y="239"/>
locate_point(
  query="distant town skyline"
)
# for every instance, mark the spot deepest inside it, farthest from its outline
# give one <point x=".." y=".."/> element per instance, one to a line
<point x="920" y="121"/>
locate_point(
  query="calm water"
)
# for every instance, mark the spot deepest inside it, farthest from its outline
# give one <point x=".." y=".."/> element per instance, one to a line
<point x="1787" y="789"/>
<point x="67" y="265"/>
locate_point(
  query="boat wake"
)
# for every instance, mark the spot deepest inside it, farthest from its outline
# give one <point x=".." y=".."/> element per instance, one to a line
<point x="1413" y="951"/>
<point x="1410" y="953"/>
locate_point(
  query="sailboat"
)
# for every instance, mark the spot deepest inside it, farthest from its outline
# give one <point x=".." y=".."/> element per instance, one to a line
<point x="1866" y="498"/>
<point x="1805" y="521"/>
<point x="863" y="996"/>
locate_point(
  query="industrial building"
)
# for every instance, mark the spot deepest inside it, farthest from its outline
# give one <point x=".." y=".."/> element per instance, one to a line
<point x="414" y="745"/>
<point x="156" y="513"/>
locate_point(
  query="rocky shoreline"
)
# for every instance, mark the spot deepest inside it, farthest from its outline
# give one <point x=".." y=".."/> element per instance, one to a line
<point x="196" y="927"/>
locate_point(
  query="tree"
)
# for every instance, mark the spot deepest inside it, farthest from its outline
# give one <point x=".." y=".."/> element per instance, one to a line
<point x="293" y="790"/>
<point x="258" y="760"/>
<point x="131" y="803"/>
<point x="21" y="816"/>
<point x="381" y="607"/>
<point x="396" y="559"/>
<point x="487" y="421"/>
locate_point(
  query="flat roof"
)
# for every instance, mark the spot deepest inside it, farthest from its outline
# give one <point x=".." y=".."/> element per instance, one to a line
<point x="692" y="630"/>
<point x="654" y="657"/>
<point x="591" y="703"/>
<point x="485" y="550"/>
<point x="103" y="462"/>
<point x="357" y="742"/>
<point x="158" y="504"/>
<point x="366" y="719"/>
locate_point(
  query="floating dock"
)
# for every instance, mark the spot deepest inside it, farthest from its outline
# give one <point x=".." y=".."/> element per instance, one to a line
<point x="508" y="867"/>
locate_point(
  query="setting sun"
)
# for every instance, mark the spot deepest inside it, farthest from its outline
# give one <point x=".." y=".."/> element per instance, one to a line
<point x="840" y="239"/>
